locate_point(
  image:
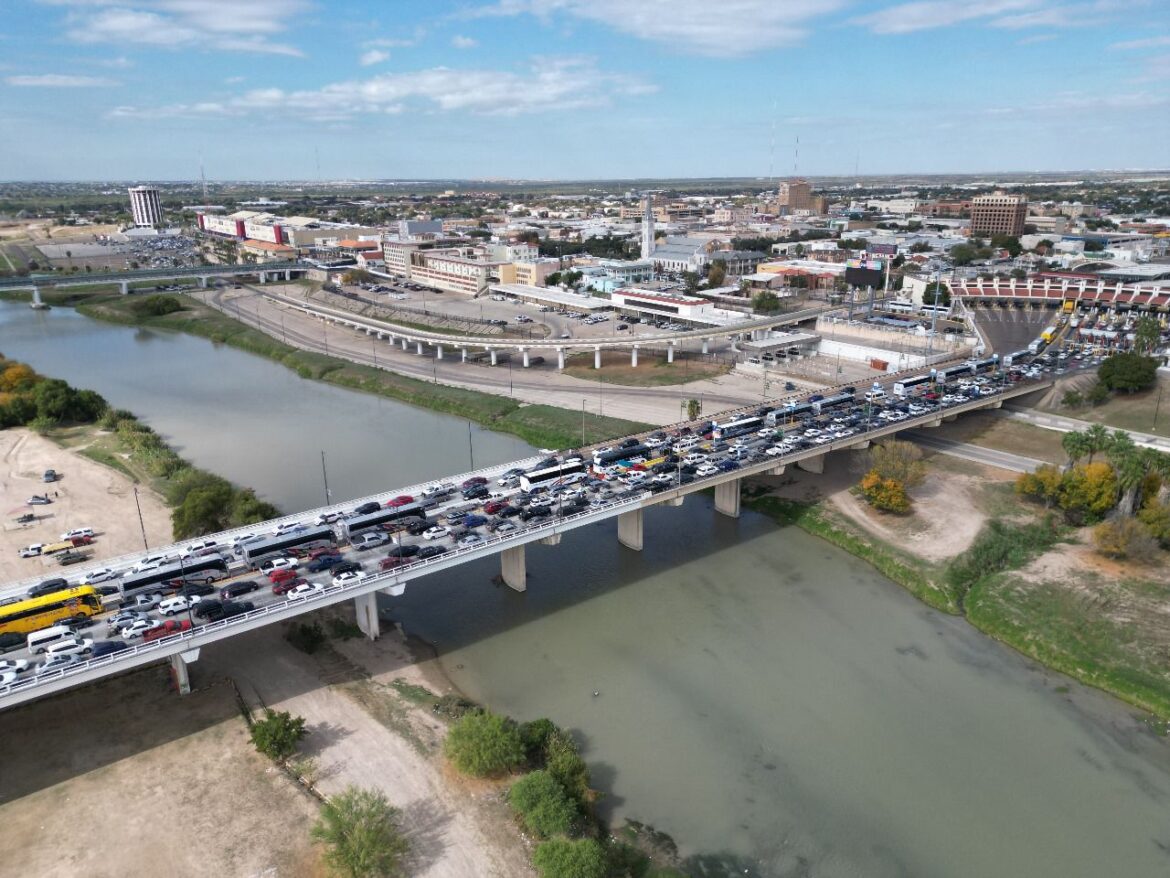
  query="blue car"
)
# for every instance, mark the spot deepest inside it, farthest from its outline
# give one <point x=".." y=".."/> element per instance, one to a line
<point x="728" y="465"/>
<point x="474" y="521"/>
<point x="323" y="563"/>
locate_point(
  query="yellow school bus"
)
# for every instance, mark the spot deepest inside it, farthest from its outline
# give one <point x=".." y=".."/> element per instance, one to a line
<point x="33" y="614"/>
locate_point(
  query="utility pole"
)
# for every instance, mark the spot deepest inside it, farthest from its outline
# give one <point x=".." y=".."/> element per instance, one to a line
<point x="470" y="447"/>
<point x="325" y="478"/>
<point x="141" y="523"/>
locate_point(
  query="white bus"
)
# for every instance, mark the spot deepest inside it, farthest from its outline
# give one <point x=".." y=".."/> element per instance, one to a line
<point x="903" y="387"/>
<point x="567" y="472"/>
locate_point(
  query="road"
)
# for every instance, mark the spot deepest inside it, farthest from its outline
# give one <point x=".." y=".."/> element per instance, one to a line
<point x="977" y="453"/>
<point x="1068" y="425"/>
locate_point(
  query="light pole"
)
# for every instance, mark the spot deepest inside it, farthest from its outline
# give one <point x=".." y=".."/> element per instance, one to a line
<point x="141" y="523"/>
<point x="582" y="423"/>
<point x="325" y="335"/>
<point x="470" y="447"/>
<point x="325" y="478"/>
<point x="374" y="350"/>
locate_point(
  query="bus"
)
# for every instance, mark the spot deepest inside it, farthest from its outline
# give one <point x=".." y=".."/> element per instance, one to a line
<point x="255" y="552"/>
<point x="788" y="413"/>
<point x="606" y="458"/>
<point x="1016" y="359"/>
<point x="903" y="387"/>
<point x="1048" y="334"/>
<point x="552" y="475"/>
<point x="899" y="306"/>
<point x="33" y="614"/>
<point x="206" y="569"/>
<point x="822" y="404"/>
<point x="737" y="427"/>
<point x="943" y="311"/>
<point x="986" y="364"/>
<point x="942" y="376"/>
<point x="352" y="526"/>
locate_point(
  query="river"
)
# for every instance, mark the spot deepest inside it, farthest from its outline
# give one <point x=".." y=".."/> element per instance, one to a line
<point x="759" y="694"/>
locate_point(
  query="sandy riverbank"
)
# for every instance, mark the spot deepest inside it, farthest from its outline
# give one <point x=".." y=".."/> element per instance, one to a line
<point x="87" y="494"/>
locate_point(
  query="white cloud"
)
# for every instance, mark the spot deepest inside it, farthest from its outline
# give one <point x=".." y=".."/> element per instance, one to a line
<point x="234" y="80"/>
<point x="927" y="14"/>
<point x="731" y="28"/>
<point x="373" y="56"/>
<point x="224" y="25"/>
<point x="59" y="80"/>
<point x="549" y="84"/>
<point x="1148" y="43"/>
<point x="461" y="42"/>
<point x="119" y="63"/>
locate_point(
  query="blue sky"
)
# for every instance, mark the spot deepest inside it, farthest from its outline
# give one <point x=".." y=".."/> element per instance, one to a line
<point x="537" y="89"/>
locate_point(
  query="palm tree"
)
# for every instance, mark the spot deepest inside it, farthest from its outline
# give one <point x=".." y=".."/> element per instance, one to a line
<point x="1097" y="439"/>
<point x="1132" y="465"/>
<point x="1075" y="445"/>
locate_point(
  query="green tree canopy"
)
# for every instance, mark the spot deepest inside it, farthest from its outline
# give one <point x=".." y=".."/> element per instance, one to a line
<point x="484" y="744"/>
<point x="359" y="829"/>
<point x="278" y="734"/>
<point x="561" y="858"/>
<point x="1128" y="371"/>
<point x="766" y="302"/>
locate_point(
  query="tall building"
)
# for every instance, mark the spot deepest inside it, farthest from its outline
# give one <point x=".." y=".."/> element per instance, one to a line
<point x="146" y="206"/>
<point x="998" y="214"/>
<point x="648" y="227"/>
<point x="794" y="195"/>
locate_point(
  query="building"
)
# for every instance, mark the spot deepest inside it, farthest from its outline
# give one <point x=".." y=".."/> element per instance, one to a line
<point x="673" y="306"/>
<point x="146" y="206"/>
<point x="267" y="251"/>
<point x="793" y="195"/>
<point x="998" y="214"/>
<point x="421" y="229"/>
<point x="529" y="274"/>
<point x="450" y="268"/>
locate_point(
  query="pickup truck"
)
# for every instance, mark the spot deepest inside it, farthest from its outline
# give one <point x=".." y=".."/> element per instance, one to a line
<point x="169" y="627"/>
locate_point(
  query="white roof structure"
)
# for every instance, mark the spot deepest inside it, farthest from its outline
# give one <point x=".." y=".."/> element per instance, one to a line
<point x="553" y="296"/>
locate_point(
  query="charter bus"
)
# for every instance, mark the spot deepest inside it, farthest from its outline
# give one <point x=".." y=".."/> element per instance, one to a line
<point x="830" y="402"/>
<point x="605" y="458"/>
<point x="737" y="427"/>
<point x="788" y="413"/>
<point x="988" y="364"/>
<point x="943" y="311"/>
<point x="33" y="614"/>
<point x="904" y="386"/>
<point x="942" y="376"/>
<point x="352" y="526"/>
<point x="269" y="547"/>
<point x="207" y="569"/>
<point x="552" y="475"/>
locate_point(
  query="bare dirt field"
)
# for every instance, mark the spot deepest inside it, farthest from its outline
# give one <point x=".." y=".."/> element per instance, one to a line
<point x="87" y="494"/>
<point x="125" y="778"/>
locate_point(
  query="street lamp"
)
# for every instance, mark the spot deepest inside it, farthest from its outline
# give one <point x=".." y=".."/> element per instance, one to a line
<point x="583" y="423"/>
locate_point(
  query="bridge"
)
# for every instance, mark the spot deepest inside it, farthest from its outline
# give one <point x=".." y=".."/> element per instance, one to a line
<point x="625" y="504"/>
<point x="753" y="328"/>
<point x="203" y="273"/>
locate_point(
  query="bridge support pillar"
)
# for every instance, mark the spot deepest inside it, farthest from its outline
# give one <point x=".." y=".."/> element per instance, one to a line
<point x="670" y="352"/>
<point x="365" y="608"/>
<point x="264" y="277"/>
<point x="125" y="287"/>
<point x="812" y="464"/>
<point x="551" y="540"/>
<point x="492" y="351"/>
<point x="513" y="569"/>
<point x="706" y="344"/>
<point x="288" y="275"/>
<point x="560" y="358"/>
<point x="404" y="344"/>
<point x="438" y="352"/>
<point x="634" y="356"/>
<point x="524" y="356"/>
<point x="418" y="348"/>
<point x="630" y="529"/>
<point x="949" y="418"/>
<point x="727" y="498"/>
<point x="180" y="671"/>
<point x="935" y="423"/>
<point x="203" y="282"/>
<point x="463" y="351"/>
<point x="860" y="446"/>
<point x="675" y="501"/>
<point x="597" y="357"/>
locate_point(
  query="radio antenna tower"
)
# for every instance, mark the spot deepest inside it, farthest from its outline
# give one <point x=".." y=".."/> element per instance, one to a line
<point x="203" y="178"/>
<point x="796" y="156"/>
<point x="772" y="149"/>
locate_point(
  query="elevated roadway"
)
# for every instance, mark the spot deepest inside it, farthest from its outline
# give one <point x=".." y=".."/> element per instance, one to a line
<point x="203" y="273"/>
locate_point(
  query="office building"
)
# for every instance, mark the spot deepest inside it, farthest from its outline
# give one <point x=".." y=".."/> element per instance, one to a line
<point x="146" y="206"/>
<point x="998" y="214"/>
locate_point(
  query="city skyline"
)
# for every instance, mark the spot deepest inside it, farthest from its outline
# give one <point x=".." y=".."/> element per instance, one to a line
<point x="565" y="89"/>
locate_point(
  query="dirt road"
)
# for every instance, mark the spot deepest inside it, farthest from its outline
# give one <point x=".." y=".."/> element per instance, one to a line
<point x="88" y="494"/>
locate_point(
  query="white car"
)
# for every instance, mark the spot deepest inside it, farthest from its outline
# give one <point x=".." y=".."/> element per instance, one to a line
<point x="437" y="488"/>
<point x="634" y="477"/>
<point x="288" y="527"/>
<point x="347" y="578"/>
<point x="279" y="564"/>
<point x="707" y="469"/>
<point x="102" y="574"/>
<point x="663" y="478"/>
<point x="776" y="450"/>
<point x="823" y="440"/>
<point x="32" y="551"/>
<point x="139" y="627"/>
<point x="506" y="527"/>
<point x="70" y="647"/>
<point x="7" y="678"/>
<point x="327" y="518"/>
<point x="436" y="533"/>
<point x="77" y="532"/>
<point x="371" y="540"/>
<point x="307" y="589"/>
<point x="179" y="604"/>
<point x="14" y="666"/>
<point x="694" y="459"/>
<point x="59" y="662"/>
<point x="470" y="540"/>
<point x="150" y="562"/>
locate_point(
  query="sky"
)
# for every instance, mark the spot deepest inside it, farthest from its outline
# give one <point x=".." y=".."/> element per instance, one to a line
<point x="579" y="89"/>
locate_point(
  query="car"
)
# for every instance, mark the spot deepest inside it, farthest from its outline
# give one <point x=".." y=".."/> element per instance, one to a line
<point x="14" y="666"/>
<point x="71" y="557"/>
<point x="470" y="521"/>
<point x="349" y="577"/>
<point x="474" y="480"/>
<point x="392" y="561"/>
<point x="236" y="608"/>
<point x="475" y="492"/>
<point x="324" y="562"/>
<point x="107" y="647"/>
<point x="78" y="532"/>
<point x="438" y="489"/>
<point x="510" y="511"/>
<point x="367" y="508"/>
<point x="431" y="551"/>
<point x="144" y="602"/>
<point x="32" y="551"/>
<point x="124" y="617"/>
<point x="70" y="646"/>
<point x="347" y="567"/>
<point x="327" y="518"/>
<point x="195" y="589"/>
<point x="404" y="551"/>
<point x="370" y="540"/>
<point x="532" y="512"/>
<point x="419" y="527"/>
<point x="38" y="500"/>
<point x="288" y="527"/>
<point x="102" y="574"/>
<point x="178" y="604"/>
<point x="235" y="589"/>
<point x="284" y="586"/>
<point x="208" y="608"/>
<point x="435" y="533"/>
<point x="706" y="469"/>
<point x="50" y="475"/>
<point x="470" y="539"/>
<point x="401" y="500"/>
<point x="278" y="576"/>
<point x="58" y="663"/>
<point x="11" y="640"/>
<point x="139" y="627"/>
<point x="285" y="563"/>
<point x="494" y="506"/>
<point x="167" y="628"/>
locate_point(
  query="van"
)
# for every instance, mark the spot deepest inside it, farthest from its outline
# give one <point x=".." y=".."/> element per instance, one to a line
<point x="78" y="532"/>
<point x="41" y="640"/>
<point x="70" y="646"/>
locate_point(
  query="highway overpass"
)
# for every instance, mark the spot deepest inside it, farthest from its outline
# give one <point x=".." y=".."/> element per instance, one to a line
<point x="203" y="273"/>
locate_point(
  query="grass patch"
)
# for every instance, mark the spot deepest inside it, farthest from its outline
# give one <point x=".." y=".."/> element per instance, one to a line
<point x="915" y="576"/>
<point x="420" y="695"/>
<point x="1003" y="434"/>
<point x="999" y="547"/>
<point x="1127" y="411"/>
<point x="547" y="426"/>
<point x="108" y="458"/>
<point x="652" y="369"/>
<point x="384" y="705"/>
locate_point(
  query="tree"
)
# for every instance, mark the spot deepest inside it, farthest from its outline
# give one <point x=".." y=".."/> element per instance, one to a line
<point x="1072" y="399"/>
<point x="357" y="276"/>
<point x="484" y="744"/>
<point x="540" y="801"/>
<point x="766" y="302"/>
<point x="1007" y="242"/>
<point x="886" y="495"/>
<point x="561" y="858"/>
<point x="937" y="293"/>
<point x="1156" y="517"/>
<point x="278" y="734"/>
<point x="204" y="510"/>
<point x="898" y="460"/>
<point x="1147" y="335"/>
<point x="1125" y="538"/>
<point x="963" y="254"/>
<point x="1041" y="484"/>
<point x="1097" y="439"/>
<point x="54" y="399"/>
<point x="1088" y="492"/>
<point x="1075" y="445"/>
<point x="717" y="273"/>
<point x="920" y="247"/>
<point x="690" y="281"/>
<point x="1128" y="371"/>
<point x="17" y="377"/>
<point x="694" y="409"/>
<point x="359" y="829"/>
<point x="1098" y="393"/>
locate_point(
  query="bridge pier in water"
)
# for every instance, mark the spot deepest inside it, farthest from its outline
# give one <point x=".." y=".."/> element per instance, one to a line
<point x="630" y="529"/>
<point x="514" y="568"/>
<point x="727" y="498"/>
<point x="365" y="610"/>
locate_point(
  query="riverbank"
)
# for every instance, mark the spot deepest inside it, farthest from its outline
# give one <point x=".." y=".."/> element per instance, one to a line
<point x="539" y="425"/>
<point x="1102" y="623"/>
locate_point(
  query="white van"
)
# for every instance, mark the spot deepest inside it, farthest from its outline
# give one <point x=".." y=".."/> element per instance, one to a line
<point x="41" y="640"/>
<point x="71" y="646"/>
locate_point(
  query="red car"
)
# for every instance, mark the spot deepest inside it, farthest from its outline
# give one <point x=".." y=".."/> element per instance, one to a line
<point x="279" y="576"/>
<point x="323" y="550"/>
<point x="495" y="506"/>
<point x="400" y="500"/>
<point x="392" y="562"/>
<point x="169" y="627"/>
<point x="287" y="585"/>
<point x="473" y="481"/>
<point x="81" y="541"/>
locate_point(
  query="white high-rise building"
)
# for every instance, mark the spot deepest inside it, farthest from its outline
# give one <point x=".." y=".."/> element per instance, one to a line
<point x="146" y="206"/>
<point x="648" y="227"/>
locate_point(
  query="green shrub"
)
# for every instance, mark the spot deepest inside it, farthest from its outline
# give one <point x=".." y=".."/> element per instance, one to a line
<point x="307" y="637"/>
<point x="561" y="858"/>
<point x="278" y="734"/>
<point x="535" y="735"/>
<point x="484" y="744"/>
<point x="564" y="763"/>
<point x="155" y="306"/>
<point x="1001" y="546"/>
<point x="359" y="829"/>
<point x="542" y="804"/>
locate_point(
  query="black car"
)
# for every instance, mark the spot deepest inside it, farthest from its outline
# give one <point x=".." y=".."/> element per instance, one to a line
<point x="475" y="492"/>
<point x="628" y="443"/>
<point x="509" y="511"/>
<point x="417" y="528"/>
<point x="323" y="562"/>
<point x="209" y="609"/>
<point x="431" y="551"/>
<point x="346" y="567"/>
<point x="11" y="640"/>
<point x="196" y="589"/>
<point x="47" y="587"/>
<point x="235" y="608"/>
<point x="235" y="589"/>
<point x="106" y="647"/>
<point x="403" y="552"/>
<point x="535" y="512"/>
<point x="367" y="508"/>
